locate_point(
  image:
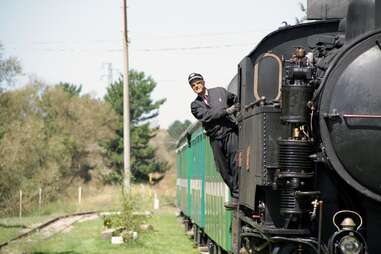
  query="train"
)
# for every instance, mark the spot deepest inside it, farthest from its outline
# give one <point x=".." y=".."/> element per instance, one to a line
<point x="309" y="142"/>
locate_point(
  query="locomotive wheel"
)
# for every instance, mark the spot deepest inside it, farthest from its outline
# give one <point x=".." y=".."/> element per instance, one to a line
<point x="212" y="247"/>
<point x="195" y="234"/>
<point x="290" y="249"/>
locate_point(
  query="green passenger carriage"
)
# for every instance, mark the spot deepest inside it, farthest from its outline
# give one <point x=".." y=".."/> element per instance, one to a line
<point x="201" y="192"/>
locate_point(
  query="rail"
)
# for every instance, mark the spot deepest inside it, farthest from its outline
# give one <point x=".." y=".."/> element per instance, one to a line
<point x="44" y="225"/>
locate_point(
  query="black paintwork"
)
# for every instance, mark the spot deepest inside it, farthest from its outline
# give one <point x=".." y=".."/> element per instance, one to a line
<point x="341" y="83"/>
<point x="338" y="161"/>
<point x="377" y="10"/>
<point x="260" y="150"/>
<point x="352" y="86"/>
<point x="282" y="43"/>
<point x="322" y="9"/>
<point x="356" y="23"/>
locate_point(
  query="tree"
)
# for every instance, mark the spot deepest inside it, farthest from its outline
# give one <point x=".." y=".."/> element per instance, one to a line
<point x="142" y="109"/>
<point x="50" y="139"/>
<point x="9" y="68"/>
<point x="177" y="128"/>
<point x="72" y="89"/>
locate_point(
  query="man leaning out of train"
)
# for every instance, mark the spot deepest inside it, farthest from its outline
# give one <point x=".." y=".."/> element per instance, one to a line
<point x="216" y="108"/>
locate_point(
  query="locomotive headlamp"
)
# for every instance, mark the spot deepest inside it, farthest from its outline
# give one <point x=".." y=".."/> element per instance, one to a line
<point x="348" y="224"/>
<point x="350" y="245"/>
<point x="347" y="239"/>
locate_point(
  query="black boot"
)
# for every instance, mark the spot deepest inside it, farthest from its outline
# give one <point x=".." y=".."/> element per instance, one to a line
<point x="232" y="205"/>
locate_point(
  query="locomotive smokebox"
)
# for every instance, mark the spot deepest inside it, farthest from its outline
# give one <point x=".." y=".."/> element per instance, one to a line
<point x="350" y="114"/>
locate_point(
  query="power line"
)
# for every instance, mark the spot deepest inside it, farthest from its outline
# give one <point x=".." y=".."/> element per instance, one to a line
<point x="197" y="35"/>
<point x="77" y="50"/>
<point x="195" y="48"/>
<point x="153" y="36"/>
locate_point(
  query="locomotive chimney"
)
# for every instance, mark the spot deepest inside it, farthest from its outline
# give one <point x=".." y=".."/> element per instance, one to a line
<point x="361" y="18"/>
<point x="377" y="14"/>
<point x="326" y="9"/>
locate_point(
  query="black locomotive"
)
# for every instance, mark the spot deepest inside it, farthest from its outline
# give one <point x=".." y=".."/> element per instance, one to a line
<point x="310" y="135"/>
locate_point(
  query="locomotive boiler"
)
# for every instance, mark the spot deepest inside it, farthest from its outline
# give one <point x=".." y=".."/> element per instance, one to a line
<point x="310" y="135"/>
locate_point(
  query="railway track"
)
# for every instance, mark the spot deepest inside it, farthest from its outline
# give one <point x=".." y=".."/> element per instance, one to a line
<point x="55" y="225"/>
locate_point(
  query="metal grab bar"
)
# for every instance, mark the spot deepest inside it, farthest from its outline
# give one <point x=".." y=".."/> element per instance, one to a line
<point x="362" y="116"/>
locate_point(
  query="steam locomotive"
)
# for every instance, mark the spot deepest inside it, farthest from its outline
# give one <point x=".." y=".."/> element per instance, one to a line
<point x="309" y="142"/>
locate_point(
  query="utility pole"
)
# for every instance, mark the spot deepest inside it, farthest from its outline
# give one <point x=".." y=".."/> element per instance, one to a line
<point x="126" y="106"/>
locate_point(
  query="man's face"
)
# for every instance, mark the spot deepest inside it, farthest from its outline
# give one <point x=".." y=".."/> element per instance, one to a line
<point x="198" y="87"/>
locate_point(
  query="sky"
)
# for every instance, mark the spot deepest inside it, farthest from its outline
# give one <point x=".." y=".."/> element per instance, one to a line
<point x="77" y="40"/>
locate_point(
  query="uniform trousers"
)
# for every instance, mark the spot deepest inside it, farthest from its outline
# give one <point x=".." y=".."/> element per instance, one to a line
<point x="225" y="153"/>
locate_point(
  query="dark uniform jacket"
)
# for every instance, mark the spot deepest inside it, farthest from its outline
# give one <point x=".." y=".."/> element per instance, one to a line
<point x="216" y="122"/>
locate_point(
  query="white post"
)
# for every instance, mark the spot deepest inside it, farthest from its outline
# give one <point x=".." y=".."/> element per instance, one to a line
<point x="79" y="196"/>
<point x="39" y="200"/>
<point x="20" y="211"/>
<point x="156" y="202"/>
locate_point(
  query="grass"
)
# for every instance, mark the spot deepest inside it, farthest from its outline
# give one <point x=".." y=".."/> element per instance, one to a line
<point x="167" y="237"/>
<point x="104" y="199"/>
<point x="8" y="233"/>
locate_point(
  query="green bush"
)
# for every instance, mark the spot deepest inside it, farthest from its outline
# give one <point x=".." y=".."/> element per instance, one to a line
<point x="129" y="217"/>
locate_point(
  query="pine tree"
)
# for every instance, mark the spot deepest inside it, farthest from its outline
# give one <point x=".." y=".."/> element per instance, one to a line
<point x="142" y="109"/>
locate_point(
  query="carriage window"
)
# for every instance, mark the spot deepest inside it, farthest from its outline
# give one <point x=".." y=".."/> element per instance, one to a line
<point x="268" y="77"/>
